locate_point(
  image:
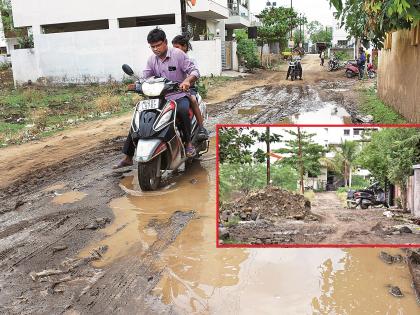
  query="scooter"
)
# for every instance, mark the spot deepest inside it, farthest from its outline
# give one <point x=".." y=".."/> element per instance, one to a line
<point x="371" y="196"/>
<point x="293" y="70"/>
<point x="154" y="129"/>
<point x="352" y="69"/>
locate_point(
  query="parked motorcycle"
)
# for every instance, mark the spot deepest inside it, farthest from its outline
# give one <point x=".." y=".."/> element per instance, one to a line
<point x="371" y="196"/>
<point x="155" y="132"/>
<point x="371" y="71"/>
<point x="334" y="64"/>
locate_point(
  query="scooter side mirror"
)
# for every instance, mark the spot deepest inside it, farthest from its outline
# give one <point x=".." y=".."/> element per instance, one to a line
<point x="127" y="69"/>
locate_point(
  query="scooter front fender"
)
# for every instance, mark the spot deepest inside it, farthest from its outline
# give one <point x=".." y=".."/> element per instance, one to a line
<point x="145" y="149"/>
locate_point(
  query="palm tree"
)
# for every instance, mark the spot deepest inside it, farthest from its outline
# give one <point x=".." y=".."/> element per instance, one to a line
<point x="342" y="162"/>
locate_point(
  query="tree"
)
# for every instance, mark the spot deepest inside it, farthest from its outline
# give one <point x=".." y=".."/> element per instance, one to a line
<point x="318" y="33"/>
<point x="25" y="40"/>
<point x="342" y="162"/>
<point x="302" y="153"/>
<point x="276" y="24"/>
<point x="390" y="156"/>
<point x="371" y="20"/>
<point x="235" y="145"/>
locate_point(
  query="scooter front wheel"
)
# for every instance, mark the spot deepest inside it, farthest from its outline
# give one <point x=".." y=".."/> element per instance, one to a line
<point x="149" y="174"/>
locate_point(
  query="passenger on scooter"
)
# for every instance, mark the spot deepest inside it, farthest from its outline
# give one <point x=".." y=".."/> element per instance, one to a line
<point x="361" y="62"/>
<point x="183" y="43"/>
<point x="172" y="64"/>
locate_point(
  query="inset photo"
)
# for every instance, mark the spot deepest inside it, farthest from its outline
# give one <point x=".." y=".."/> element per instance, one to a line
<point x="318" y="186"/>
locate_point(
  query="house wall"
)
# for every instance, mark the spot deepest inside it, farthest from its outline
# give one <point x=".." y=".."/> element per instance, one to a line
<point x="399" y="76"/>
<point x="33" y="12"/>
<point x="208" y="64"/>
<point x="84" y="57"/>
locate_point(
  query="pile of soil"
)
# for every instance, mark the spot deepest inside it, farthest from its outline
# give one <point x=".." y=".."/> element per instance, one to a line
<point x="271" y="203"/>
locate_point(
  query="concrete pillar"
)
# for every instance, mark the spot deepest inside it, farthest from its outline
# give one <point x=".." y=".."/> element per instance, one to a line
<point x="235" y="61"/>
<point x="416" y="190"/>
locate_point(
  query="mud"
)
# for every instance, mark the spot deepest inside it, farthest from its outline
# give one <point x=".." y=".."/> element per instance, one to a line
<point x="328" y="222"/>
<point x="158" y="254"/>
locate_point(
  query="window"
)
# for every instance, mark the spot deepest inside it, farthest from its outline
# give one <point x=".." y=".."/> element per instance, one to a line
<point x="346" y="132"/>
<point x="342" y="43"/>
<point x="357" y="132"/>
<point x="3" y="50"/>
<point x="151" y="20"/>
<point x="75" y="27"/>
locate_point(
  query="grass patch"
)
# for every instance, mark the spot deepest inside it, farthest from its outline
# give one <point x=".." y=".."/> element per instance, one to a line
<point x="27" y="113"/>
<point x="230" y="241"/>
<point x="382" y="113"/>
<point x="232" y="222"/>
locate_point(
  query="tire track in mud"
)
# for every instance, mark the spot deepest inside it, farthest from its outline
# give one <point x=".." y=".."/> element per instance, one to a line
<point x="125" y="286"/>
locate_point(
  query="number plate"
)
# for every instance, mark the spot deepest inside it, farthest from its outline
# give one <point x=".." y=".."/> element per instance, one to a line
<point x="148" y="104"/>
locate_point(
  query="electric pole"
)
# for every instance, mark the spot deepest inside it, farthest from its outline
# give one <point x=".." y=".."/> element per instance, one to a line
<point x="183" y="16"/>
<point x="301" y="188"/>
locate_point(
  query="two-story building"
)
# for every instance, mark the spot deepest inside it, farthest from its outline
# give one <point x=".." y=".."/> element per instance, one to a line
<point x="88" y="41"/>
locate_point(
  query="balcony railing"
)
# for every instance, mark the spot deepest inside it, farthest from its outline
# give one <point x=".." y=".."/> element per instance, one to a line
<point x="238" y="7"/>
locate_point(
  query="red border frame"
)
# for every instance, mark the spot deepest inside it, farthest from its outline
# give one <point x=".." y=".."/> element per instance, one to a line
<point x="218" y="126"/>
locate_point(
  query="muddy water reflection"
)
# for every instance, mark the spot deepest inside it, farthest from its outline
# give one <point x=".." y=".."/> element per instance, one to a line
<point x="69" y="197"/>
<point x="139" y="213"/>
<point x="295" y="281"/>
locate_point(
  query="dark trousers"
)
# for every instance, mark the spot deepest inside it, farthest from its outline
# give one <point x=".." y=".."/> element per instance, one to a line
<point x="183" y="106"/>
<point x="299" y="67"/>
<point x="361" y="71"/>
<point x="322" y="61"/>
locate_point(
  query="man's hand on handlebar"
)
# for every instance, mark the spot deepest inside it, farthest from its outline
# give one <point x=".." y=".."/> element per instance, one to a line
<point x="185" y="86"/>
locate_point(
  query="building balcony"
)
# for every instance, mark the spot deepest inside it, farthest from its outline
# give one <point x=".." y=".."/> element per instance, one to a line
<point x="209" y="10"/>
<point x="239" y="16"/>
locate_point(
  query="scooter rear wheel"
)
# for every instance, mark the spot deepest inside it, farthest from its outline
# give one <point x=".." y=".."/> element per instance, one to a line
<point x="349" y="74"/>
<point x="149" y="174"/>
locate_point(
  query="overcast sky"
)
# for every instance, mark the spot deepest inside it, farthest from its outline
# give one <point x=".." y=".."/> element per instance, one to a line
<point x="313" y="9"/>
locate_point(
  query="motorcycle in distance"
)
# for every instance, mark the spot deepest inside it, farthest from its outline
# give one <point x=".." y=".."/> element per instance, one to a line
<point x="334" y="64"/>
<point x="293" y="70"/>
<point x="371" y="196"/>
<point x="155" y="132"/>
<point x="352" y="69"/>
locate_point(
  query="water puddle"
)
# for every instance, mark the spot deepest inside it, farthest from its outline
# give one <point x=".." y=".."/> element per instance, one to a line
<point x="279" y="104"/>
<point x="138" y="214"/>
<point x="54" y="187"/>
<point x="295" y="281"/>
<point x="329" y="113"/>
<point x="69" y="197"/>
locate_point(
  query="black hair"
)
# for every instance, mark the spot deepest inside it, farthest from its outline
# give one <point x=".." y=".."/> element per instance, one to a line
<point x="182" y="40"/>
<point x="156" y="35"/>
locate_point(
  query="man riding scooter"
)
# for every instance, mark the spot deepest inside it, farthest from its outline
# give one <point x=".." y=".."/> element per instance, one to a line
<point x="172" y="64"/>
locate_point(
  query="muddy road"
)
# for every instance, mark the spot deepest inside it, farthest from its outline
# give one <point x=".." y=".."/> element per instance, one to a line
<point x="77" y="237"/>
<point x="321" y="97"/>
<point x="328" y="221"/>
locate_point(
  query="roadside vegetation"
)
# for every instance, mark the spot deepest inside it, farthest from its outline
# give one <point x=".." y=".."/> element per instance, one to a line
<point x="371" y="105"/>
<point x="35" y="111"/>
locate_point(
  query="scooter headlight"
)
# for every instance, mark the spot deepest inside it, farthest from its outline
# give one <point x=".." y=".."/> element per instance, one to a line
<point x="165" y="116"/>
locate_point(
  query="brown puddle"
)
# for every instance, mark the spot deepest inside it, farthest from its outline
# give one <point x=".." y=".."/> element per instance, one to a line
<point x="197" y="278"/>
<point x="136" y="214"/>
<point x="69" y="197"/>
<point x="295" y="281"/>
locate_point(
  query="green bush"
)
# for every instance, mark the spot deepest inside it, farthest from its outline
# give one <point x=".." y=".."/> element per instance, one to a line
<point x="247" y="50"/>
<point x="4" y="66"/>
<point x="342" y="55"/>
<point x="359" y="181"/>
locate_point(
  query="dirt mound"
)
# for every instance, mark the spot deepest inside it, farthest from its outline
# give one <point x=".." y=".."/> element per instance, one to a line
<point x="271" y="203"/>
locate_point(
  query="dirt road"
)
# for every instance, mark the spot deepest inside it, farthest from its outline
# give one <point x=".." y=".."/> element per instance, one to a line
<point x="76" y="237"/>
